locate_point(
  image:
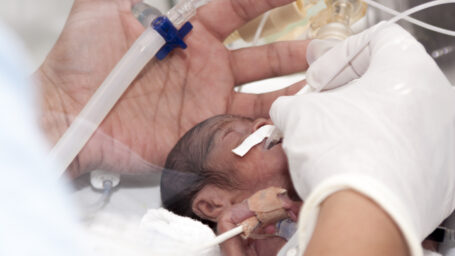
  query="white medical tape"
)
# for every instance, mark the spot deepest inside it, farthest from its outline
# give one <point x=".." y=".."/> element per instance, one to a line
<point x="255" y="138"/>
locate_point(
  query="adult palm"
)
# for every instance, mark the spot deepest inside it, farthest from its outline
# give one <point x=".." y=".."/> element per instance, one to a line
<point x="169" y="96"/>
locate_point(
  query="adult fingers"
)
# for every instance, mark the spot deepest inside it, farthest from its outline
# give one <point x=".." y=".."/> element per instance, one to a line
<point x="258" y="105"/>
<point x="221" y="17"/>
<point x="277" y="59"/>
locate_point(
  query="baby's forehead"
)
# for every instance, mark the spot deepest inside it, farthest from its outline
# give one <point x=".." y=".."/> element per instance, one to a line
<point x="226" y="122"/>
<point x="215" y="130"/>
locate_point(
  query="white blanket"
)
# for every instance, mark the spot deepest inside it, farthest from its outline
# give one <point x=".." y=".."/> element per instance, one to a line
<point x="170" y="234"/>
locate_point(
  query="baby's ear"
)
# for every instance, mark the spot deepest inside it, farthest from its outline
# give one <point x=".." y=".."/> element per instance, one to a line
<point x="210" y="202"/>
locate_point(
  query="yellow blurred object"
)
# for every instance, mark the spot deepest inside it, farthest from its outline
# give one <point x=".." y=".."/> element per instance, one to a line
<point x="277" y="20"/>
<point x="332" y="22"/>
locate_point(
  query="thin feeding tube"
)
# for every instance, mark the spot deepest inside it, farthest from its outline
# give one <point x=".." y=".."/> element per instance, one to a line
<point x="260" y="27"/>
<point x="221" y="238"/>
<point x="410" y="19"/>
<point x="104" y="199"/>
<point x="419" y="8"/>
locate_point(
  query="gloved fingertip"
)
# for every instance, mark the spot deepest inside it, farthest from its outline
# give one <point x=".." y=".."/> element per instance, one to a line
<point x="278" y="112"/>
<point x="313" y="76"/>
<point x="317" y="47"/>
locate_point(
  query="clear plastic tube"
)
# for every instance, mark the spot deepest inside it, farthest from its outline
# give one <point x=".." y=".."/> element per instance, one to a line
<point x="99" y="205"/>
<point x="184" y="10"/>
<point x="145" y="13"/>
<point x="258" y="33"/>
<point x="221" y="238"/>
<point x="286" y="228"/>
<point x="420" y="8"/>
<point x="105" y="97"/>
<point x="410" y="19"/>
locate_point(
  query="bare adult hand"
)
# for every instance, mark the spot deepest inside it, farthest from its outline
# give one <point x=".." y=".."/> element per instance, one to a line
<point x="169" y="96"/>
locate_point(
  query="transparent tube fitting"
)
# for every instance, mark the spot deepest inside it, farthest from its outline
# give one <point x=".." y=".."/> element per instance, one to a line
<point x="184" y="10"/>
<point x="336" y="20"/>
<point x="286" y="228"/>
<point x="332" y="22"/>
<point x="145" y="13"/>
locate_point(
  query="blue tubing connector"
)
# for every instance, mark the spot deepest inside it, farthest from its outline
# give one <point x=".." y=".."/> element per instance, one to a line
<point x="172" y="36"/>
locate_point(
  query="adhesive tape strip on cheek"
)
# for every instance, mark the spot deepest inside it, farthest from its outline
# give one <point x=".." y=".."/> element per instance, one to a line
<point x="255" y="138"/>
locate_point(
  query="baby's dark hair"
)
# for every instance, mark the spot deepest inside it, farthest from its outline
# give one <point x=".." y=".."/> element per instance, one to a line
<point x="187" y="171"/>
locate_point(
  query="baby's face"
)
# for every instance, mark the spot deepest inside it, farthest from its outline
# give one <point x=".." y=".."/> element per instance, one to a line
<point x="259" y="168"/>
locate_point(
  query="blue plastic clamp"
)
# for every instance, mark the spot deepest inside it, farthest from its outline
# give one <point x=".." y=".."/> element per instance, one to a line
<point x="173" y="37"/>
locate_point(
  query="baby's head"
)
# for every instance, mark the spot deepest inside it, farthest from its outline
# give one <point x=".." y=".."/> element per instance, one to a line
<point x="202" y="177"/>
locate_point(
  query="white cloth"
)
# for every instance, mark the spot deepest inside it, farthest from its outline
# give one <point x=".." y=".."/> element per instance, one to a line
<point x="36" y="216"/>
<point x="389" y="135"/>
<point x="170" y="234"/>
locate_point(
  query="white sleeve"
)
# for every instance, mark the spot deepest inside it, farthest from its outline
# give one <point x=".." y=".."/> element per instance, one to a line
<point x="389" y="135"/>
<point x="36" y="217"/>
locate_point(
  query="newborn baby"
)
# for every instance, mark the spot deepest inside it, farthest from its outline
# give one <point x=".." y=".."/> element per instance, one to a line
<point x="203" y="178"/>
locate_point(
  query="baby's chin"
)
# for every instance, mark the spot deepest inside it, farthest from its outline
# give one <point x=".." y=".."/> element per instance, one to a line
<point x="269" y="246"/>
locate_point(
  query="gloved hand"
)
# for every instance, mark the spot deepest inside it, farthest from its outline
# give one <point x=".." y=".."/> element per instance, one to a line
<point x="388" y="133"/>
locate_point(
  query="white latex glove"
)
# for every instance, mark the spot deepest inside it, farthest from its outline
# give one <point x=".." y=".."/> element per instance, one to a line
<point x="388" y="135"/>
<point x="322" y="64"/>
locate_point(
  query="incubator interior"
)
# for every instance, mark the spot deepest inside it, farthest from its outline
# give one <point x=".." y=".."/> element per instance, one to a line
<point x="132" y="195"/>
